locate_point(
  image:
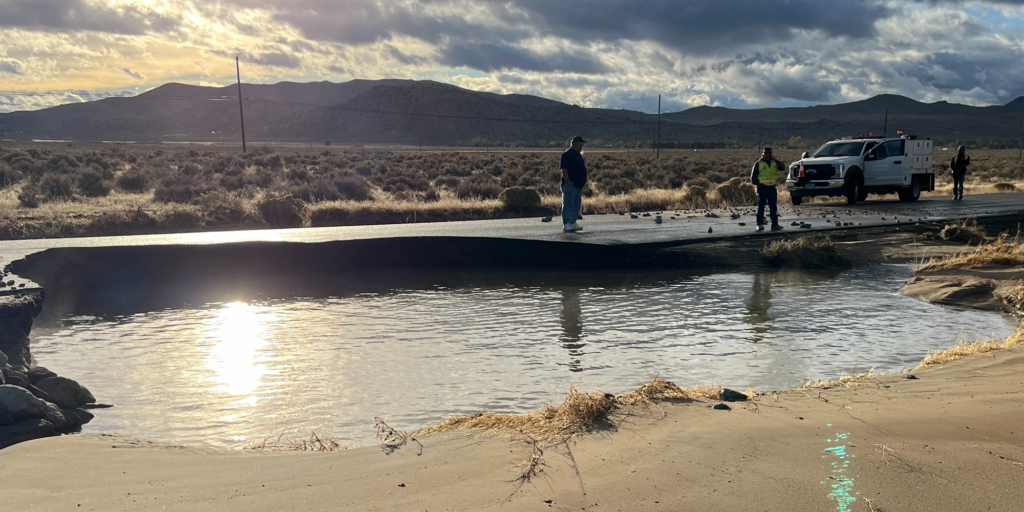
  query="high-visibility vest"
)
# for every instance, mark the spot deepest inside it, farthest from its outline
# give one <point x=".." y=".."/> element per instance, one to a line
<point x="767" y="174"/>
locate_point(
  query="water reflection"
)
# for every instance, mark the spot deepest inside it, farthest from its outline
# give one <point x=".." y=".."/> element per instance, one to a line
<point x="240" y="333"/>
<point x="758" y="305"/>
<point x="571" y="337"/>
<point x="234" y="371"/>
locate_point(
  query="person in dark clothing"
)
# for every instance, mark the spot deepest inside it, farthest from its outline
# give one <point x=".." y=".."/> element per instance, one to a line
<point x="574" y="177"/>
<point x="765" y="176"/>
<point x="958" y="166"/>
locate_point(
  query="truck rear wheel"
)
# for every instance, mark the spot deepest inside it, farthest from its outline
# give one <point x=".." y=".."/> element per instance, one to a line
<point x="911" y="193"/>
<point x="796" y="200"/>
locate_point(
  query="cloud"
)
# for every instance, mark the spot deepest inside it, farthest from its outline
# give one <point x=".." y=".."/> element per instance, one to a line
<point x="494" y="57"/>
<point x="278" y="59"/>
<point x="134" y="74"/>
<point x="601" y="53"/>
<point x="13" y="102"/>
<point x="80" y="15"/>
<point x="11" y="67"/>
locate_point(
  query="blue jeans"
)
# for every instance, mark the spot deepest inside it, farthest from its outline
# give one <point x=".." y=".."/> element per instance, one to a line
<point x="571" y="201"/>
<point x="770" y="196"/>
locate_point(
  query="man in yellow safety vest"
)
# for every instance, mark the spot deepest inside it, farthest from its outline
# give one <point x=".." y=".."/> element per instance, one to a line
<point x="766" y="175"/>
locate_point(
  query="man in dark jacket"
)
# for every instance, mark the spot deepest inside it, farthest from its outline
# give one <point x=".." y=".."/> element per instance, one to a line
<point x="958" y="165"/>
<point x="766" y="175"/>
<point x="574" y="177"/>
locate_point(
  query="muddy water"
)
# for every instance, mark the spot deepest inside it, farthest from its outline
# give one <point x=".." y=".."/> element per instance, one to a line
<point x="228" y="365"/>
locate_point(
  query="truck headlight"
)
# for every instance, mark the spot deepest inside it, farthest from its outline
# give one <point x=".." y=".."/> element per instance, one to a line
<point x="839" y="169"/>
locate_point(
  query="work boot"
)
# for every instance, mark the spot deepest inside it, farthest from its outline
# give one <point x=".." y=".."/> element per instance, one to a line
<point x="568" y="228"/>
<point x="776" y="227"/>
<point x="760" y="227"/>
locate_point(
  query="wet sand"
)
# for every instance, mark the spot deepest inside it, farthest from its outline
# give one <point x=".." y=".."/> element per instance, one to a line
<point x="950" y="440"/>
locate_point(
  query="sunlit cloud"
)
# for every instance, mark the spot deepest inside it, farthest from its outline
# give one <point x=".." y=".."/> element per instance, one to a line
<point x="595" y="53"/>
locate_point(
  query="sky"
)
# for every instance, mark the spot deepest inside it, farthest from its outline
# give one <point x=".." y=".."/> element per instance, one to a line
<point x="593" y="53"/>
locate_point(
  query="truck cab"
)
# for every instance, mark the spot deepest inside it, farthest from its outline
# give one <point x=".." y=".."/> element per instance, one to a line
<point x="856" y="167"/>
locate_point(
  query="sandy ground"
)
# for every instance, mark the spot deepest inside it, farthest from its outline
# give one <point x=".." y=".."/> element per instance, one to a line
<point x="951" y="440"/>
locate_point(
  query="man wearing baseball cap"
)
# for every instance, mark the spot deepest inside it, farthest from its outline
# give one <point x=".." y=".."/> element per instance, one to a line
<point x="574" y="177"/>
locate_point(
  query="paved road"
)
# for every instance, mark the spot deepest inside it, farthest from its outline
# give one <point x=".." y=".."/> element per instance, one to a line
<point x="607" y="230"/>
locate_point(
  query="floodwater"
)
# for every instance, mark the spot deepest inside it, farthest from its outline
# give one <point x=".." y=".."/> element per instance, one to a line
<point x="233" y="365"/>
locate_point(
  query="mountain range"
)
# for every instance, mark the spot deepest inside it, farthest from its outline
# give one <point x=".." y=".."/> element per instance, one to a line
<point x="432" y="113"/>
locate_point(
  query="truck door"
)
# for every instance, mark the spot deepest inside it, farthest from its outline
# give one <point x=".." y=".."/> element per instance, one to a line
<point x="876" y="166"/>
<point x="897" y="160"/>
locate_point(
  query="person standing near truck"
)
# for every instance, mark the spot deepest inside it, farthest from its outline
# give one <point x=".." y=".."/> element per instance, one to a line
<point x="958" y="165"/>
<point x="574" y="177"/>
<point x="765" y="176"/>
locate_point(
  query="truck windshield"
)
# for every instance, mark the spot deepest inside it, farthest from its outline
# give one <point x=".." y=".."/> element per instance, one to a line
<point x="839" y="149"/>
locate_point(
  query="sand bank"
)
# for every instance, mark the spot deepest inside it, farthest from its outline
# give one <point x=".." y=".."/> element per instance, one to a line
<point x="950" y="440"/>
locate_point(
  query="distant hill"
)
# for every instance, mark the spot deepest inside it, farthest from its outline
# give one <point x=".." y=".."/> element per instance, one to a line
<point x="432" y="113"/>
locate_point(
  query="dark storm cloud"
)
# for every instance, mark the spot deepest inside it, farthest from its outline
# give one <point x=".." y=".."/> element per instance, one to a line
<point x="278" y="59"/>
<point x="798" y="88"/>
<point x="703" y="26"/>
<point x="990" y="71"/>
<point x="495" y="57"/>
<point x="369" y="21"/>
<point x="78" y="15"/>
<point x="694" y="26"/>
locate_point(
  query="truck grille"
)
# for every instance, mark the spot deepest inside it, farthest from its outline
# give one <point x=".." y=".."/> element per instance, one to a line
<point x="815" y="173"/>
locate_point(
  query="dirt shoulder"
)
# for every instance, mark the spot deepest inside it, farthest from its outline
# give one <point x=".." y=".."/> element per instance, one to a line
<point x="949" y="440"/>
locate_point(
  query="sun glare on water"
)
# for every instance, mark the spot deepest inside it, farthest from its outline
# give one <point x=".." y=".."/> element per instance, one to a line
<point x="241" y="332"/>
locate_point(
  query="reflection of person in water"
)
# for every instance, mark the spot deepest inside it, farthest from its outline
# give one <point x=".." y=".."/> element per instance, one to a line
<point x="760" y="302"/>
<point x="572" y="328"/>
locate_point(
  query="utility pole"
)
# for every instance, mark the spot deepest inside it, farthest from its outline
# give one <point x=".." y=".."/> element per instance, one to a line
<point x="657" y="145"/>
<point x="885" y="127"/>
<point x="1020" y="147"/>
<point x="241" y="116"/>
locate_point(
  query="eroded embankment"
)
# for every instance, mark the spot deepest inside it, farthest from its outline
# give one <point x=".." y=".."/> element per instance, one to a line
<point x="34" y="401"/>
<point x="989" y="274"/>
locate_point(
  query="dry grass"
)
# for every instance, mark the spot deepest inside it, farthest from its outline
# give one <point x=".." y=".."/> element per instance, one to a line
<point x="390" y="210"/>
<point x="313" y="444"/>
<point x="963" y="349"/>
<point x="659" y="390"/>
<point x="579" y="412"/>
<point x="220" y="189"/>
<point x="1012" y="296"/>
<point x="967" y="231"/>
<point x="808" y="252"/>
<point x="1004" y="252"/>
<point x="975" y="186"/>
<point x="841" y="382"/>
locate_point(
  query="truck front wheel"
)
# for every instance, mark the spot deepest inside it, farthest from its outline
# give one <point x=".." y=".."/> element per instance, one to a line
<point x="854" y="186"/>
<point x="797" y="200"/>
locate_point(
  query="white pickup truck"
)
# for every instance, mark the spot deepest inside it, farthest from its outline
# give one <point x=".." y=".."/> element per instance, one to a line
<point x="856" y="167"/>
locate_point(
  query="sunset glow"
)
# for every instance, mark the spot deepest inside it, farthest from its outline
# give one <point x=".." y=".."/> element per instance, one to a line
<point x="591" y="53"/>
